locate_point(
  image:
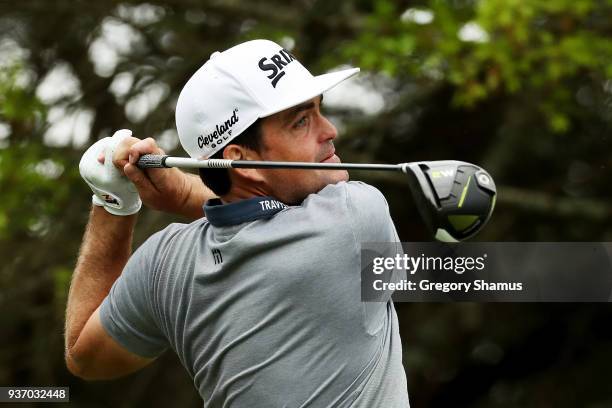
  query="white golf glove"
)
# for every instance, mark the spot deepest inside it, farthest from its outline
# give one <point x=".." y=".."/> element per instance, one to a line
<point x="112" y="190"/>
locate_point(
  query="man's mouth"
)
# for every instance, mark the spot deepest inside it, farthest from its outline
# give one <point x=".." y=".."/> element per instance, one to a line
<point x="331" y="158"/>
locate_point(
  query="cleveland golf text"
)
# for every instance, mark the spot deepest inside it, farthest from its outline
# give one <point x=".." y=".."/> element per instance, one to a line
<point x="219" y="132"/>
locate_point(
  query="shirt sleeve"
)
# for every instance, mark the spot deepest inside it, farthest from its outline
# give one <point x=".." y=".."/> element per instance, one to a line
<point x="372" y="223"/>
<point x="128" y="313"/>
<point x="369" y="213"/>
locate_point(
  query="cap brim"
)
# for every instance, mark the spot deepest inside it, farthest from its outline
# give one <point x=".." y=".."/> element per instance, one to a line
<point x="311" y="89"/>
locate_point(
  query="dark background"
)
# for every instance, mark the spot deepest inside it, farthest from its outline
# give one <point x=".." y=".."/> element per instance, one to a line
<point x="523" y="88"/>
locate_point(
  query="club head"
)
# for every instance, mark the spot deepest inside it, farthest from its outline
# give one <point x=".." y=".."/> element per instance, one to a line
<point x="456" y="199"/>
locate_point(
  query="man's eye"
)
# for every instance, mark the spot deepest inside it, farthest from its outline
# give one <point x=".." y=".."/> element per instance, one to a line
<point x="303" y="121"/>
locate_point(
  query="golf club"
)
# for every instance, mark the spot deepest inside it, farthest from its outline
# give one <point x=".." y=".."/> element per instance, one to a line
<point x="454" y="198"/>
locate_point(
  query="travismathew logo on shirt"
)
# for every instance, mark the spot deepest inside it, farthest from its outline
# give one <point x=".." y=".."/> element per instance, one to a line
<point x="275" y="65"/>
<point x="223" y="131"/>
<point x="272" y="205"/>
<point x="256" y="208"/>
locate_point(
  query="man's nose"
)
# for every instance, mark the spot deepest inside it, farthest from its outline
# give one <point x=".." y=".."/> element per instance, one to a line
<point x="328" y="130"/>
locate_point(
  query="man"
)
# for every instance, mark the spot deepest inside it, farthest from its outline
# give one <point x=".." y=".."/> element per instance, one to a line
<point x="260" y="300"/>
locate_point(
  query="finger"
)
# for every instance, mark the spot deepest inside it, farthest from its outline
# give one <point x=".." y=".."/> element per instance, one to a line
<point x="121" y="154"/>
<point x="146" y="146"/>
<point x="139" y="178"/>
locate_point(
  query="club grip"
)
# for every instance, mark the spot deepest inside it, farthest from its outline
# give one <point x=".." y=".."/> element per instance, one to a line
<point x="152" y="161"/>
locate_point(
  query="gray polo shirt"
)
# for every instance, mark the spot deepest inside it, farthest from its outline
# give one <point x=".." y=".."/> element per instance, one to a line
<point x="261" y="303"/>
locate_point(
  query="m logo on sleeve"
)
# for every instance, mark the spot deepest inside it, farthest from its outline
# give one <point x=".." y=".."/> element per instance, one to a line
<point x="218" y="258"/>
<point x="275" y="65"/>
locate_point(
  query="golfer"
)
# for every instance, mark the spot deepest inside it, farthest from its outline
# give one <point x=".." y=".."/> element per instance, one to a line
<point x="260" y="296"/>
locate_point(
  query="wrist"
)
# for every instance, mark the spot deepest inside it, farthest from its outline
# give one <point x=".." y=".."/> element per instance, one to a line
<point x="192" y="197"/>
<point x="111" y="236"/>
<point x="116" y="206"/>
<point x="101" y="213"/>
<point x="199" y="195"/>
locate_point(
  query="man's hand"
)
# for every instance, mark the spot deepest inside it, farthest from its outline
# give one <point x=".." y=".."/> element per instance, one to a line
<point x="112" y="190"/>
<point x="168" y="190"/>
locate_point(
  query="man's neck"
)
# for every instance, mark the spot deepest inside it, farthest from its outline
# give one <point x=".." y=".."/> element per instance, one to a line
<point x="238" y="193"/>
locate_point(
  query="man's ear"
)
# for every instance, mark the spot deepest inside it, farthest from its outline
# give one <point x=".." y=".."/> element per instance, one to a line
<point x="237" y="152"/>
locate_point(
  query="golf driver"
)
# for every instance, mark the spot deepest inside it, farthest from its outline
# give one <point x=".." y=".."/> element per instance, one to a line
<point x="454" y="198"/>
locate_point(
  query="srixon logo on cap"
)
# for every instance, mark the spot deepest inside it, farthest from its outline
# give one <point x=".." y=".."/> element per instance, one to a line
<point x="275" y="65"/>
<point x="223" y="131"/>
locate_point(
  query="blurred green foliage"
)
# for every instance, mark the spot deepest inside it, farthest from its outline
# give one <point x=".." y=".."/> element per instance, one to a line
<point x="492" y="48"/>
<point x="522" y="87"/>
<point x="17" y="102"/>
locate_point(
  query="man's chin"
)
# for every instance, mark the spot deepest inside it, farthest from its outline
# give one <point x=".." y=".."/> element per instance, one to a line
<point x="335" y="177"/>
<point x="346" y="176"/>
<point x="343" y="175"/>
<point x="297" y="198"/>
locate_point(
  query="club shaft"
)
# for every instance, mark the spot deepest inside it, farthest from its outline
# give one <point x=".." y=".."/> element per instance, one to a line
<point x="157" y="161"/>
<point x="317" y="166"/>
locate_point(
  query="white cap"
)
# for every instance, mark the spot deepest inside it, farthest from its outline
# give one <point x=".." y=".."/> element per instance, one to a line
<point x="235" y="87"/>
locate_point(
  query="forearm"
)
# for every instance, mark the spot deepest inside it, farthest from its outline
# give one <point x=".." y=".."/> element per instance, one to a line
<point x="195" y="195"/>
<point x="104" y="252"/>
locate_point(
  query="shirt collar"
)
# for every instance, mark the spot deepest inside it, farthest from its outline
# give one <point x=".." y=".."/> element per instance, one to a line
<point x="223" y="215"/>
